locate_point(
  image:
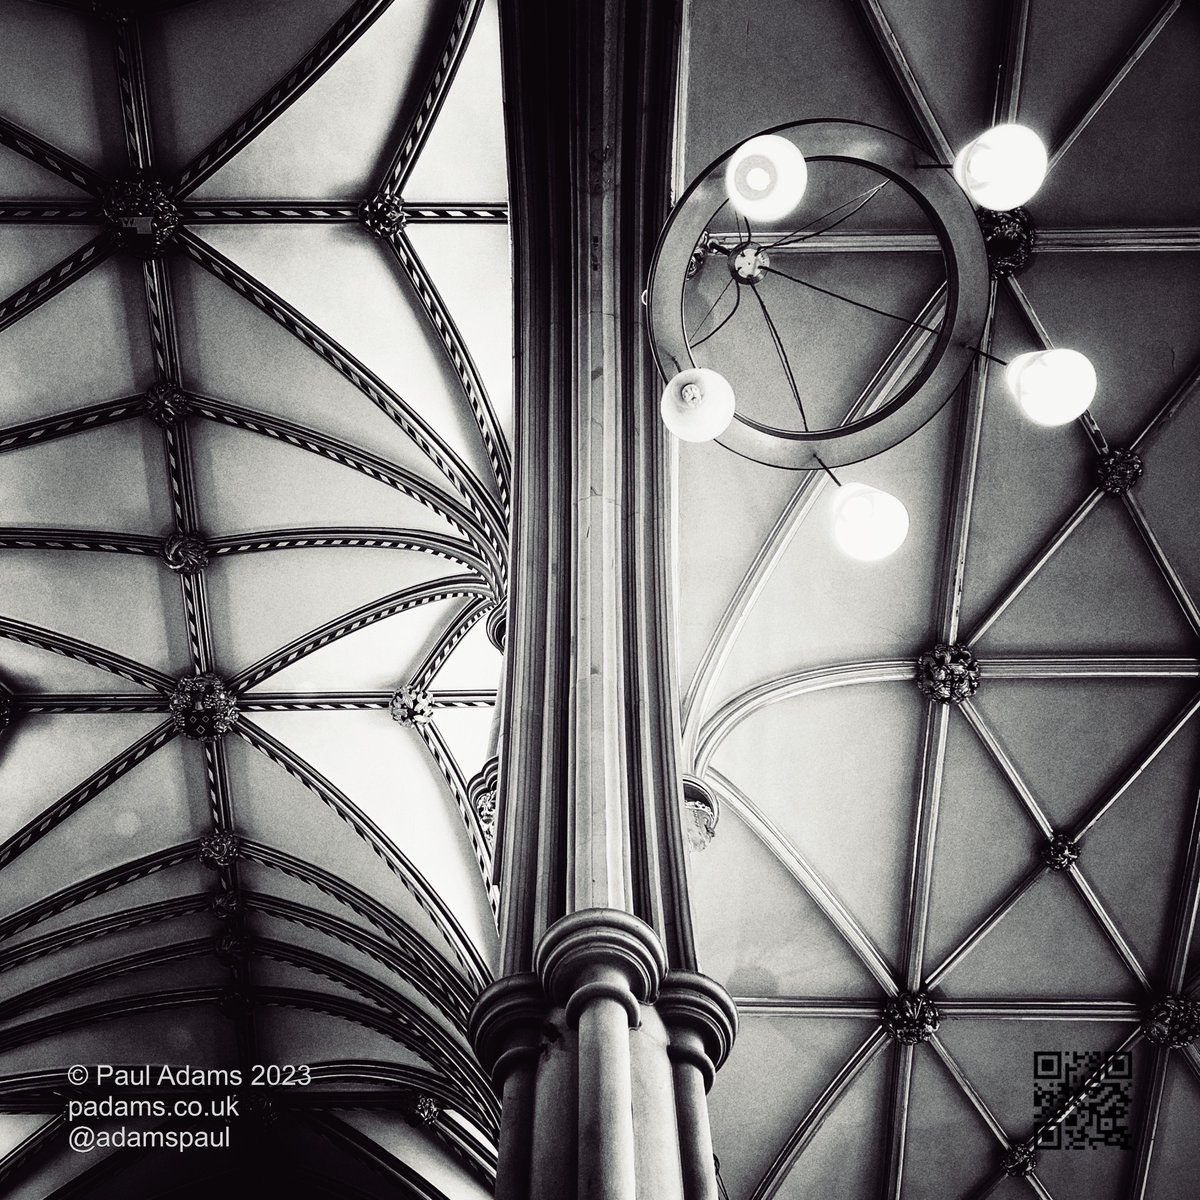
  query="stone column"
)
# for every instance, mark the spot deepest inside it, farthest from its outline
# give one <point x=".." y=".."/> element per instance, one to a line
<point x="600" y="1034"/>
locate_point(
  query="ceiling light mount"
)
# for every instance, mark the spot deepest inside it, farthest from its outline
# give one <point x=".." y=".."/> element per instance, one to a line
<point x="1009" y="239"/>
<point x="140" y="211"/>
<point x="748" y="263"/>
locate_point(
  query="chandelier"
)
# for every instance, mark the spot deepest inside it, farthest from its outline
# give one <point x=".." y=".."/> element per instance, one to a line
<point x="750" y="212"/>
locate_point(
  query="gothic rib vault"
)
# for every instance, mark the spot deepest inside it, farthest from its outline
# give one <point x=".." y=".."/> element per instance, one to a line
<point x="256" y="416"/>
<point x="952" y="876"/>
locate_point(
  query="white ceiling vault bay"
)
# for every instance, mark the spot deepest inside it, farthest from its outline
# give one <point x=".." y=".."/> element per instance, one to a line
<point x="896" y="844"/>
<point x="258" y="432"/>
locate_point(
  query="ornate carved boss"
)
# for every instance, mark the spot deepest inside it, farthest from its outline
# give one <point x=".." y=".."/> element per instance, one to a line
<point x="948" y="674"/>
<point x="911" y="1017"/>
<point x="203" y="707"/>
<point x="139" y="210"/>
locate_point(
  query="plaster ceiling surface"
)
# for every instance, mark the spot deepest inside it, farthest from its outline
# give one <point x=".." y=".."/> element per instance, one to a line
<point x="896" y="844"/>
<point x="318" y="281"/>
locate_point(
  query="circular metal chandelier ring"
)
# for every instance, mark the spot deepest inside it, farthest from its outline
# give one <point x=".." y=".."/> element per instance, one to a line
<point x="967" y="288"/>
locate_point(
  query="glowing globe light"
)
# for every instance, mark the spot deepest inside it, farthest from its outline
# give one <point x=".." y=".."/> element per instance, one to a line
<point x="868" y="524"/>
<point x="1002" y="168"/>
<point x="765" y="178"/>
<point x="1051" y="386"/>
<point x="697" y="405"/>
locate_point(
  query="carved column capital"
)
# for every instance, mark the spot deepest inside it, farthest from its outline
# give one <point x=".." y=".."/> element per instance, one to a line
<point x="601" y="952"/>
<point x="505" y="1023"/>
<point x="481" y="795"/>
<point x="702" y="1020"/>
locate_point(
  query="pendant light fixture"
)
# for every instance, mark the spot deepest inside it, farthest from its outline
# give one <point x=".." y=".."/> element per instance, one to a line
<point x="1002" y="168"/>
<point x="868" y="523"/>
<point x="1051" y="386"/>
<point x="697" y="405"/>
<point x="765" y="177"/>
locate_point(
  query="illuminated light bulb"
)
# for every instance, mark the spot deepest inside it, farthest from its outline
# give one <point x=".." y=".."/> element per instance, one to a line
<point x="1051" y="386"/>
<point x="1002" y="168"/>
<point x="868" y="524"/>
<point x="697" y="405"/>
<point x="765" y="177"/>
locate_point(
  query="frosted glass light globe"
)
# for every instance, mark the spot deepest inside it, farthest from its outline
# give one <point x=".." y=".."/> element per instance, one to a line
<point x="697" y="405"/>
<point x="1002" y="168"/>
<point x="1051" y="386"/>
<point x="765" y="177"/>
<point x="868" y="524"/>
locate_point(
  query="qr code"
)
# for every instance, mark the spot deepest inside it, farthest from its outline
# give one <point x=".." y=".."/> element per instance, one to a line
<point x="1100" y="1118"/>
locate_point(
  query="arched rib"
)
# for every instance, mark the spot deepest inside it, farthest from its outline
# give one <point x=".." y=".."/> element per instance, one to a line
<point x="396" y="175"/>
<point x="231" y="140"/>
<point x="452" y="341"/>
<point x="1141" y="44"/>
<point x="14" y="538"/>
<point x="377" y="610"/>
<point x="95" y="885"/>
<point x="354" y="537"/>
<point x="817" y="890"/>
<point x="802" y="683"/>
<point x="408" y="943"/>
<point x="424" y="436"/>
<point x="50" y="212"/>
<point x="85" y="652"/>
<point x="78" y="420"/>
<point x="411" y="961"/>
<point x="99" y="927"/>
<point x="16" y="845"/>
<point x="775" y="544"/>
<point x="447" y="641"/>
<point x="346" y="455"/>
<point x="413" y="880"/>
<point x="456" y="783"/>
<point x="49" y="157"/>
<point x="776" y="1175"/>
<point x="49" y="283"/>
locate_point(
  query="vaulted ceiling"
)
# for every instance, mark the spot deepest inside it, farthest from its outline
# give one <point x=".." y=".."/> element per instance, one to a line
<point x="873" y="842"/>
<point x="255" y="408"/>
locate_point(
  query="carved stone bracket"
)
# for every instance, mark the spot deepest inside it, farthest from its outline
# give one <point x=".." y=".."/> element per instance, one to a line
<point x="139" y="210"/>
<point x="411" y="706"/>
<point x="203" y="707"/>
<point x="949" y="673"/>
<point x="235" y="1002"/>
<point x="1019" y="1161"/>
<point x="1118" y="470"/>
<point x="1009" y="239"/>
<point x="601" y="952"/>
<point x="1060" y="852"/>
<point x="911" y="1018"/>
<point x="165" y="404"/>
<point x="383" y="216"/>
<point x="220" y="849"/>
<point x="702" y="814"/>
<point x="482" y="795"/>
<point x="497" y="624"/>
<point x="185" y="554"/>
<point x="1173" y="1021"/>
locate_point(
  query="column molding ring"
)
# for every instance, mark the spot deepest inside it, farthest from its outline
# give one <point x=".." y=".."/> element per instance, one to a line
<point x="692" y="1004"/>
<point x="601" y="952"/>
